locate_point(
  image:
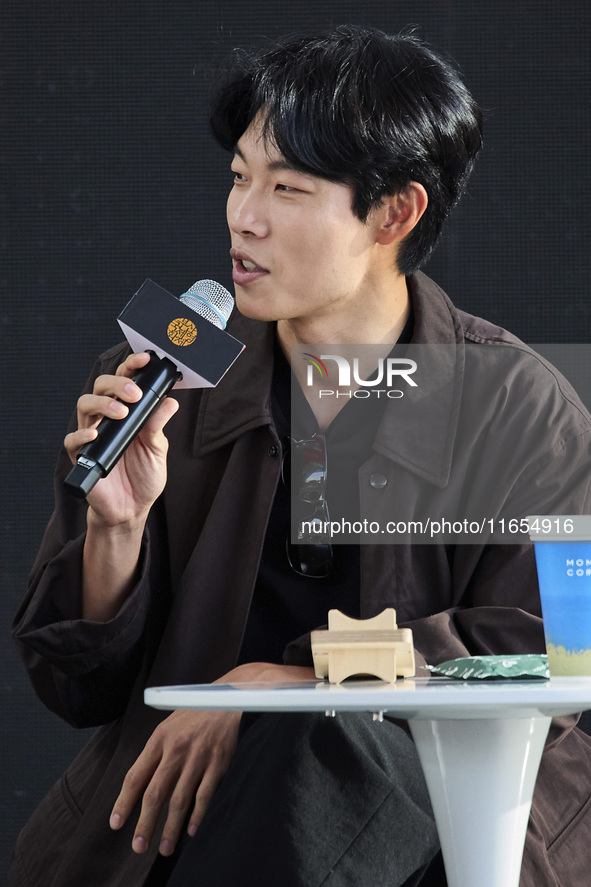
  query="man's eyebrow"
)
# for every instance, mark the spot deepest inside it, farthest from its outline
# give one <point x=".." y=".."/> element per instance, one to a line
<point x="283" y="164"/>
<point x="275" y="165"/>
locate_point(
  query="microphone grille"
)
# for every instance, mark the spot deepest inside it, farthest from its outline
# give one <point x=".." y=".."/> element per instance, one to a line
<point x="211" y="300"/>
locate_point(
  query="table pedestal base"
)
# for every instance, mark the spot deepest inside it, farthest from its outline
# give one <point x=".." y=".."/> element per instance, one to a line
<point x="481" y="774"/>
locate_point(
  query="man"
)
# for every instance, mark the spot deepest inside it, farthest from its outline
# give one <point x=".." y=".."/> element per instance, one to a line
<point x="349" y="150"/>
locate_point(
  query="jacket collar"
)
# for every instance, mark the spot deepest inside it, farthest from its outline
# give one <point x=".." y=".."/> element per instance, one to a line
<point x="418" y="432"/>
<point x="242" y="399"/>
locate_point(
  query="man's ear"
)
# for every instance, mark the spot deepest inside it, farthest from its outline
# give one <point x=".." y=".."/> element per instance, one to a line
<point x="398" y="213"/>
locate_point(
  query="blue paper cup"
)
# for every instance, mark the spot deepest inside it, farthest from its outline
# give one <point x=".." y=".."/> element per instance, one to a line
<point x="563" y="559"/>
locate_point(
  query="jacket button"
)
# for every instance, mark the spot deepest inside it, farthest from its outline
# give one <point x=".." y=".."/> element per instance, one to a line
<point x="273" y="450"/>
<point x="378" y="481"/>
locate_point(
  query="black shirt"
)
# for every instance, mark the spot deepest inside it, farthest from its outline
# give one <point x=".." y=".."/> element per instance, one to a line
<point x="286" y="604"/>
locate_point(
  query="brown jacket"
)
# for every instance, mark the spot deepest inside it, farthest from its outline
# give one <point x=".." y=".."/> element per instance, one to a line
<point x="184" y="620"/>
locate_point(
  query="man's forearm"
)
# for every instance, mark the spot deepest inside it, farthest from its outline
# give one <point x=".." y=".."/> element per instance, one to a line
<point x="110" y="565"/>
<point x="266" y="671"/>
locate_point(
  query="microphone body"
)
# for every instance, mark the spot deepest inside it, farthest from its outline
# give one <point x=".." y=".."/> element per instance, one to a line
<point x="189" y="351"/>
<point x="96" y="458"/>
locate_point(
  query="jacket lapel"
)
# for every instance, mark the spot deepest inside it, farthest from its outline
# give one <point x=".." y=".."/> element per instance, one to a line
<point x="242" y="400"/>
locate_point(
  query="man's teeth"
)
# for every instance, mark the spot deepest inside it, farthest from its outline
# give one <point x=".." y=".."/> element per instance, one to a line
<point x="250" y="266"/>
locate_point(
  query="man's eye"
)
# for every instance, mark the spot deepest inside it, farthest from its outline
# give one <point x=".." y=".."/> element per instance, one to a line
<point x="238" y="177"/>
<point x="285" y="188"/>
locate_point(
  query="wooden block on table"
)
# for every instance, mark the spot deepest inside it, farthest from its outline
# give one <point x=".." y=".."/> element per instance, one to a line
<point x="373" y="647"/>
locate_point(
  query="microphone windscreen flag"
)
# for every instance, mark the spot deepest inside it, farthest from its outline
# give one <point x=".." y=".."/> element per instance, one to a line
<point x="155" y="320"/>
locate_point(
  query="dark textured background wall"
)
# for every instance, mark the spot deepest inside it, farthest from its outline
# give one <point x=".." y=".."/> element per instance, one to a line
<point x="110" y="176"/>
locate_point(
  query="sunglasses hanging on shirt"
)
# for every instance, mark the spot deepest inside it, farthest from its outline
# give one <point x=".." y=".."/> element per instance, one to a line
<point x="304" y="474"/>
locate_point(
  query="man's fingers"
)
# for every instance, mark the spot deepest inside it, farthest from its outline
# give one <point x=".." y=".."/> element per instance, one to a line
<point x="92" y="408"/>
<point x="117" y="386"/>
<point x="155" y="798"/>
<point x="180" y="804"/>
<point x="186" y="775"/>
<point x="160" y="417"/>
<point x="136" y="779"/>
<point x="133" y="363"/>
<point x="109" y="399"/>
<point x="74" y="441"/>
<point x="203" y="797"/>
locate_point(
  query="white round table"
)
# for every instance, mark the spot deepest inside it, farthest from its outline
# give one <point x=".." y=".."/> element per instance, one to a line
<point x="480" y="745"/>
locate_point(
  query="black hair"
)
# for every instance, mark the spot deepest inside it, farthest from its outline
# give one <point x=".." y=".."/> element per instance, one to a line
<point x="359" y="106"/>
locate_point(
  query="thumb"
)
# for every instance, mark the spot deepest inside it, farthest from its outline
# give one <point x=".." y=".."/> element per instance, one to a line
<point x="161" y="416"/>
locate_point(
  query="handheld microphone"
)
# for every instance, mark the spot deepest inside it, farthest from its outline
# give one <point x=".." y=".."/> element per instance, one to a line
<point x="190" y="351"/>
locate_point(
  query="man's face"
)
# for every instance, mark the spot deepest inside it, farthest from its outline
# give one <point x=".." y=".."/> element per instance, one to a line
<point x="298" y="251"/>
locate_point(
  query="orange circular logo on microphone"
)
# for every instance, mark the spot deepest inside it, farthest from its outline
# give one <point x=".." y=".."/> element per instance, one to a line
<point x="181" y="332"/>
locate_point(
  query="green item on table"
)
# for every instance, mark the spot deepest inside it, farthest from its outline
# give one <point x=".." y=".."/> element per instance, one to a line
<point x="529" y="666"/>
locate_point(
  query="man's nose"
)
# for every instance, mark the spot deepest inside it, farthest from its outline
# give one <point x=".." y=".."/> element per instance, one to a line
<point x="246" y="215"/>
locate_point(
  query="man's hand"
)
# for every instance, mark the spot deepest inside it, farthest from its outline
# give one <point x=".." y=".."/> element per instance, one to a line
<point x="184" y="760"/>
<point x="135" y="482"/>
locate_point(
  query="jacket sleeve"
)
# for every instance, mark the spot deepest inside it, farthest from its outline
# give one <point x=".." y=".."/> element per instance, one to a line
<point x="82" y="670"/>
